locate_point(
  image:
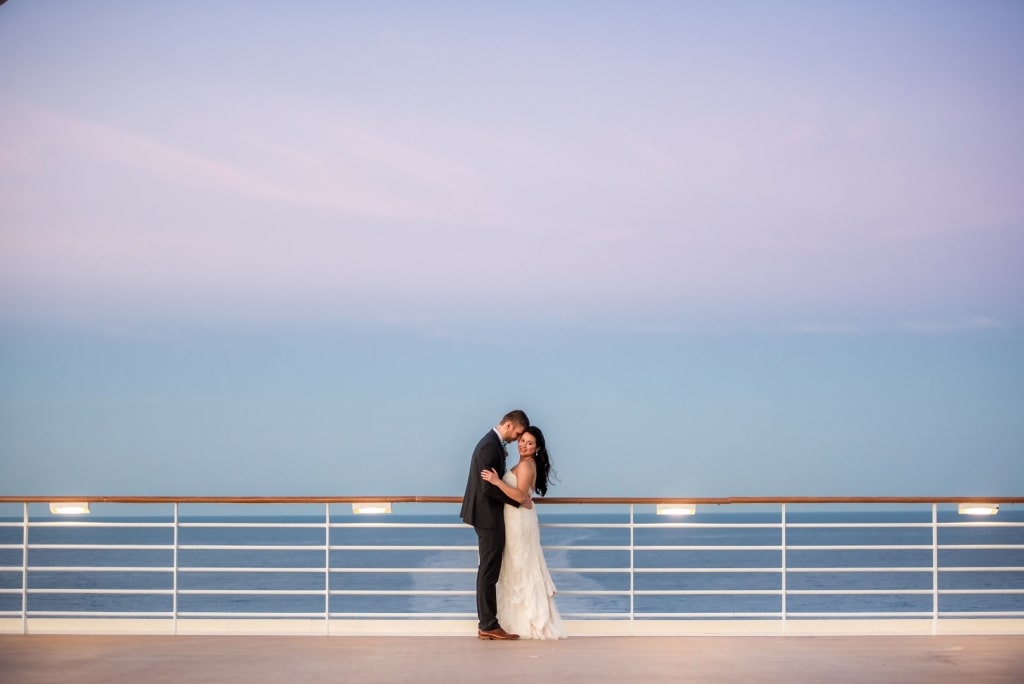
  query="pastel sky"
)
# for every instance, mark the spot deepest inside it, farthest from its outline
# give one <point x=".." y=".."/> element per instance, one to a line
<point x="714" y="249"/>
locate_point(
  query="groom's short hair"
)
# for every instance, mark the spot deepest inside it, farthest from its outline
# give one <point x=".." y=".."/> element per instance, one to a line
<point x="516" y="417"/>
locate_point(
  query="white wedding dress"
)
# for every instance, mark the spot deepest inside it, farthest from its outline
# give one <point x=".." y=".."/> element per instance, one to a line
<point x="526" y="594"/>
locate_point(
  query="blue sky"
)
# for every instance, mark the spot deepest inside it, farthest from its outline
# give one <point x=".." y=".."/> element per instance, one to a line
<point x="719" y="249"/>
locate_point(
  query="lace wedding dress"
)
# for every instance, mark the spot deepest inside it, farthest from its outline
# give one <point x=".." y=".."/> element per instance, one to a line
<point x="526" y="603"/>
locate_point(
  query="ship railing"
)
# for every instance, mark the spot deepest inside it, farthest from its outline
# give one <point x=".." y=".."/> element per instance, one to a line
<point x="801" y="565"/>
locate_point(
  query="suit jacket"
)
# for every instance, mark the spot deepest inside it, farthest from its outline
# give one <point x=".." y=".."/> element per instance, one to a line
<point x="483" y="501"/>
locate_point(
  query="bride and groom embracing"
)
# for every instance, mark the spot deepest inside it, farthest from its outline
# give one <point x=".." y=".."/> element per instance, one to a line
<point x="512" y="581"/>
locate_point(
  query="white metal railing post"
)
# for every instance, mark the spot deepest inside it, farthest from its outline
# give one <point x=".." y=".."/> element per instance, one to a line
<point x="24" y="568"/>
<point x="327" y="568"/>
<point x="632" y="566"/>
<point x="935" y="566"/>
<point x="174" y="573"/>
<point x="785" y="552"/>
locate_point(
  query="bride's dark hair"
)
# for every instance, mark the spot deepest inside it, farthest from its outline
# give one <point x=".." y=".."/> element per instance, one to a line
<point x="542" y="459"/>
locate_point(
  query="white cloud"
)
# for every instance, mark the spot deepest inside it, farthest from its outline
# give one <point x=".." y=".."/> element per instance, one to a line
<point x="828" y="329"/>
<point x="952" y="326"/>
<point x="967" y="324"/>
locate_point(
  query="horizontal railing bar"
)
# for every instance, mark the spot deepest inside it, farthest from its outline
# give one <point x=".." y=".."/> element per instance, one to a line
<point x="587" y="525"/>
<point x="624" y="592"/>
<point x="400" y="547"/>
<point x="302" y="570"/>
<point x="730" y="500"/>
<point x="982" y="613"/>
<point x="251" y="547"/>
<point x="767" y="615"/>
<point x="861" y="547"/>
<point x="708" y="547"/>
<point x="252" y="592"/>
<point x="320" y="525"/>
<point x="457" y="592"/>
<point x="975" y="523"/>
<point x="790" y="568"/>
<point x="714" y="570"/>
<point x="854" y="592"/>
<point x="292" y="547"/>
<point x="401" y="592"/>
<point x="976" y="547"/>
<point x="410" y="570"/>
<point x="563" y="547"/>
<point x="626" y="547"/>
<point x="708" y="592"/>
<point x="812" y="547"/>
<point x="722" y="526"/>
<point x="981" y="591"/>
<point x="98" y="568"/>
<point x="260" y="525"/>
<point x="101" y="547"/>
<point x="213" y="569"/>
<point x="857" y="614"/>
<point x="400" y="615"/>
<point x="906" y="524"/>
<point x="555" y="547"/>
<point x="994" y="568"/>
<point x="98" y="523"/>
<point x="398" y="525"/>
<point x="97" y="613"/>
<point x="857" y="526"/>
<point x="167" y="592"/>
<point x="244" y="615"/>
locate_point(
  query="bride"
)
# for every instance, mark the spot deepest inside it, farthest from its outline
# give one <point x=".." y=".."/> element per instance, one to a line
<point x="526" y="603"/>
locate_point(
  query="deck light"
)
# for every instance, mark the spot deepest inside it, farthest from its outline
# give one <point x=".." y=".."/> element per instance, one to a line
<point x="677" y="509"/>
<point x="371" y="508"/>
<point x="978" y="509"/>
<point x="70" y="507"/>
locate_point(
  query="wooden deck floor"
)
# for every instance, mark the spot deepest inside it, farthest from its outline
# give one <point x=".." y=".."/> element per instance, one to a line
<point x="34" y="659"/>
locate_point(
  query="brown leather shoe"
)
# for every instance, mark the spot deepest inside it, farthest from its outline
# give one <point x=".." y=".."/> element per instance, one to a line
<point x="496" y="633"/>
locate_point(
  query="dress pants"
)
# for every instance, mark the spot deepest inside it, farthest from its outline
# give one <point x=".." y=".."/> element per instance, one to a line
<point x="491" y="544"/>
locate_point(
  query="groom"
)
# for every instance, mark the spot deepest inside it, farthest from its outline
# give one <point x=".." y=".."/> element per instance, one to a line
<point x="482" y="507"/>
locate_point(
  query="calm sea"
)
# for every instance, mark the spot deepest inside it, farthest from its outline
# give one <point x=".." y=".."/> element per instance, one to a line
<point x="220" y="561"/>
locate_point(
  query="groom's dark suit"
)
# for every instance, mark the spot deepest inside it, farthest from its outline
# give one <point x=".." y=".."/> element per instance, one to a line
<point x="482" y="507"/>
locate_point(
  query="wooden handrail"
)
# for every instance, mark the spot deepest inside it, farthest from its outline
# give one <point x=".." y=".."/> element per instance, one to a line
<point x="734" y="500"/>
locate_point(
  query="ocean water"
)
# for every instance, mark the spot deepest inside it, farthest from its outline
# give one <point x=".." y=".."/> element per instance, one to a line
<point x="401" y="571"/>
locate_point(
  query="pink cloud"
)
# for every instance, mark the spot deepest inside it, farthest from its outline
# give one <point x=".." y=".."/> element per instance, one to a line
<point x="182" y="166"/>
